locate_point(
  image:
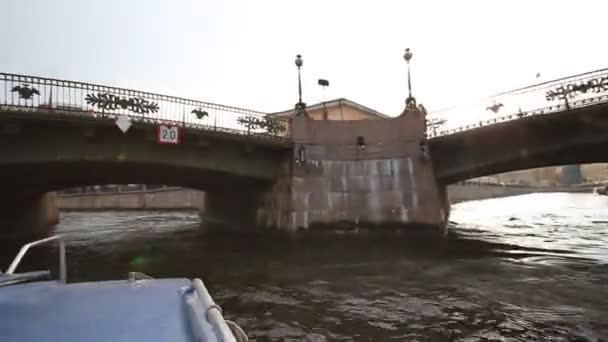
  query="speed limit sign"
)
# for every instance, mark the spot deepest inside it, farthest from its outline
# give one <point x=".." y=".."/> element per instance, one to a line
<point x="166" y="134"/>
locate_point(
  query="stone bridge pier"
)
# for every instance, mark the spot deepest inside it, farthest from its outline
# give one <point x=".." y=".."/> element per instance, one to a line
<point x="27" y="215"/>
<point x="364" y="173"/>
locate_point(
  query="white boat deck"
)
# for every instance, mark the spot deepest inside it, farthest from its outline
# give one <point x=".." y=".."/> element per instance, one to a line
<point x="142" y="310"/>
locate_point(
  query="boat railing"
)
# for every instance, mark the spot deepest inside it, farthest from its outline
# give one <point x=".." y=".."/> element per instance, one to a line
<point x="213" y="313"/>
<point x="62" y="264"/>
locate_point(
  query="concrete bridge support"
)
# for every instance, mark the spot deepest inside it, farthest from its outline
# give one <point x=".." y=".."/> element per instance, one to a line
<point x="28" y="215"/>
<point x="366" y="173"/>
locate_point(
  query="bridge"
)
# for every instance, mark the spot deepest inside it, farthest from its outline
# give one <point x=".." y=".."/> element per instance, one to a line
<point x="575" y="136"/>
<point x="554" y="123"/>
<point x="294" y="173"/>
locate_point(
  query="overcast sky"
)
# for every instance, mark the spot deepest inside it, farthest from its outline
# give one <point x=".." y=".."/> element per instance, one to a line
<point x="242" y="53"/>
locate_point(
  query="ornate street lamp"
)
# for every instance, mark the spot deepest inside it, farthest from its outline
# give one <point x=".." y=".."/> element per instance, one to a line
<point x="300" y="106"/>
<point x="408" y="56"/>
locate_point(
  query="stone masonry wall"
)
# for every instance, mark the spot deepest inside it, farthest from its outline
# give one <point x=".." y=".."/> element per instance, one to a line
<point x="364" y="171"/>
<point x="28" y="215"/>
<point x="142" y="200"/>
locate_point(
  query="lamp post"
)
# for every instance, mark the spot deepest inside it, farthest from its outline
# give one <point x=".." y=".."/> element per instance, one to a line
<point x="408" y="56"/>
<point x="300" y="106"/>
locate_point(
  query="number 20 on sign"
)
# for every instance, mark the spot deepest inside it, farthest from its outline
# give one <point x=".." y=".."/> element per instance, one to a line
<point x="166" y="134"/>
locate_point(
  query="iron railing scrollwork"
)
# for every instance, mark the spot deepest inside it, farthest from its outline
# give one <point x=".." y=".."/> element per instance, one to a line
<point x="107" y="101"/>
<point x="571" y="90"/>
<point x="21" y="93"/>
<point x="272" y="126"/>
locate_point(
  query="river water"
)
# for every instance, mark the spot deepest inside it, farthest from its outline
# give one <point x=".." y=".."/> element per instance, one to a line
<point x="525" y="268"/>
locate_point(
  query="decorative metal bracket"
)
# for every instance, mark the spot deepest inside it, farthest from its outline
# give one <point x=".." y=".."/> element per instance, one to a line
<point x="596" y="85"/>
<point x="434" y="124"/>
<point x="271" y="126"/>
<point x="301" y="159"/>
<point x="111" y="102"/>
<point x="249" y="122"/>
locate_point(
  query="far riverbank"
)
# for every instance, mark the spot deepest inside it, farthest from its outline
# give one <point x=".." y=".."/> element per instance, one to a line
<point x="173" y="198"/>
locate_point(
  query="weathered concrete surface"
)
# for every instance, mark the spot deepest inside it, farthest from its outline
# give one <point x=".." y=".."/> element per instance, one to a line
<point x="357" y="172"/>
<point x="27" y="215"/>
<point x="576" y="136"/>
<point x="160" y="199"/>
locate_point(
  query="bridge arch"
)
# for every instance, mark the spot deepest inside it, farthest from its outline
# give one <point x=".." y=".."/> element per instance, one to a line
<point x="38" y="155"/>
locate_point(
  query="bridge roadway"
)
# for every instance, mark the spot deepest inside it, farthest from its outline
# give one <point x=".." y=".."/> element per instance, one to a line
<point x="51" y="152"/>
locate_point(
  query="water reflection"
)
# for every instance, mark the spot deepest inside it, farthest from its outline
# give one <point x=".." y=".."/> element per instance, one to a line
<point x="523" y="268"/>
<point x="575" y="224"/>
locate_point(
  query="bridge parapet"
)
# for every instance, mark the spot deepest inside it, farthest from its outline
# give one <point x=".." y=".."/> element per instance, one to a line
<point x="70" y="99"/>
<point x="550" y="97"/>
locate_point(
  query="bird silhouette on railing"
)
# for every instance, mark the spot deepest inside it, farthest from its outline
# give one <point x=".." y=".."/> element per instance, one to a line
<point x="495" y="107"/>
<point x="25" y="91"/>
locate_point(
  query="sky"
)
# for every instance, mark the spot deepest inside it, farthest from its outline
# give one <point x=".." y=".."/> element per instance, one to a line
<point x="241" y="53"/>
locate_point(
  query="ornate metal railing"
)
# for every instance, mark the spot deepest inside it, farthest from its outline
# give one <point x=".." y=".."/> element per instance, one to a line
<point x="47" y="95"/>
<point x="550" y="97"/>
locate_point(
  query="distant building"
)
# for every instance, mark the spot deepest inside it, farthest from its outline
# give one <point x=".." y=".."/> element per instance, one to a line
<point x="544" y="176"/>
<point x="595" y="172"/>
<point x="336" y="110"/>
<point x="571" y="174"/>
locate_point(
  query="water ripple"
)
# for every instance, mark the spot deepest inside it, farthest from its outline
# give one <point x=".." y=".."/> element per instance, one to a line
<point x="526" y="268"/>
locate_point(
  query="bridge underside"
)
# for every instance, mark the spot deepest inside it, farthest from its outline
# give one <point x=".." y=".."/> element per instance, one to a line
<point x="38" y="155"/>
<point x="27" y="205"/>
<point x="577" y="136"/>
<point x="44" y="177"/>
